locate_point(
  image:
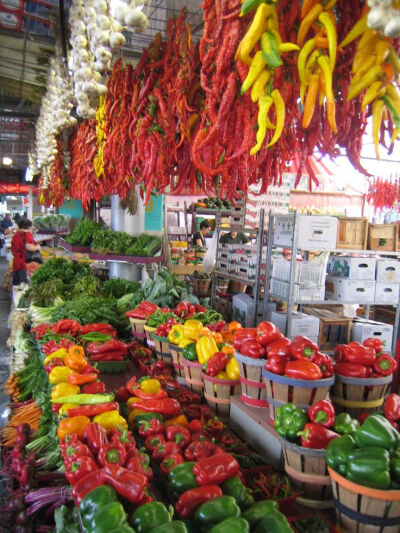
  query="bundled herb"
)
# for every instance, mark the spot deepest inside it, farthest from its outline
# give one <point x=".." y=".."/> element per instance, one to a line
<point x="83" y="232"/>
<point x="119" y="287"/>
<point x="107" y="241"/>
<point x="145" y="246"/>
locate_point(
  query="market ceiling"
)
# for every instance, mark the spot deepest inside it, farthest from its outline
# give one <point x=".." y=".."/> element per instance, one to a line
<point x="27" y="43"/>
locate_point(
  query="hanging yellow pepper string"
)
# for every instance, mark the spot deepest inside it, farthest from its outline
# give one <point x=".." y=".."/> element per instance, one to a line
<point x="98" y="162"/>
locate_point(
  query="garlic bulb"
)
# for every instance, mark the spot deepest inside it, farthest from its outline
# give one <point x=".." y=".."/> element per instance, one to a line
<point x="384" y="16"/>
<point x="392" y="28"/>
<point x="117" y="40"/>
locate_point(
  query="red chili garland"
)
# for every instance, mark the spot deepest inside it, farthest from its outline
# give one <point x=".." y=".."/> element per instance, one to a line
<point x="384" y="194"/>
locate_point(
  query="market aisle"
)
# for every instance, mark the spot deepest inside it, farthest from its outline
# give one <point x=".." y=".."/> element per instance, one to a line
<point x="4" y="351"/>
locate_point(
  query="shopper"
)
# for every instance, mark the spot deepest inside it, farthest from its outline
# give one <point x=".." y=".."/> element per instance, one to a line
<point x="21" y="243"/>
<point x="234" y="237"/>
<point x="199" y="236"/>
<point x="6" y="223"/>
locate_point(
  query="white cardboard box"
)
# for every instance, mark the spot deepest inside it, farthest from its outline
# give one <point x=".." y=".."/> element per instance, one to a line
<point x="243" y="309"/>
<point x="387" y="271"/>
<point x="350" y="290"/>
<point x="302" y="324"/>
<point x="387" y="293"/>
<point x="364" y="329"/>
<point x="352" y="267"/>
<point x="314" y="232"/>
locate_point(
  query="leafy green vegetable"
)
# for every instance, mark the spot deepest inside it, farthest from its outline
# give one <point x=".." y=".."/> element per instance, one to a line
<point x="69" y="272"/>
<point x="45" y="294"/>
<point x="83" y="232"/>
<point x="166" y="290"/>
<point x="87" y="286"/>
<point x="107" y="241"/>
<point x="145" y="246"/>
<point x="66" y="519"/>
<point x="129" y="301"/>
<point x="119" y="287"/>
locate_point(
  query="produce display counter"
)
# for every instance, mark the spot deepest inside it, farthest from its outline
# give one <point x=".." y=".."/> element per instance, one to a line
<point x="73" y="249"/>
<point x="132" y="259"/>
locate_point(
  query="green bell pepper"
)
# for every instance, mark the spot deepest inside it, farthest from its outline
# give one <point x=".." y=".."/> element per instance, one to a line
<point x="189" y="352"/>
<point x="149" y="515"/>
<point x="182" y="478"/>
<point x="377" y="431"/>
<point x="274" y="522"/>
<point x="289" y="420"/>
<point x="369" y="467"/>
<point x="94" y="501"/>
<point x="233" y="524"/>
<point x="110" y="517"/>
<point x="214" y="511"/>
<point x="256" y="512"/>
<point x="395" y="466"/>
<point x="338" y="451"/>
<point x="345" y="425"/>
<point x="176" y="526"/>
<point x="234" y="487"/>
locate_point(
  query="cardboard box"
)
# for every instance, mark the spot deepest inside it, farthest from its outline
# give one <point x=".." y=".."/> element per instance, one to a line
<point x="352" y="267"/>
<point x="388" y="271"/>
<point x="365" y="329"/>
<point x="387" y="293"/>
<point x="302" y="324"/>
<point x="314" y="232"/>
<point x="243" y="310"/>
<point x="350" y="290"/>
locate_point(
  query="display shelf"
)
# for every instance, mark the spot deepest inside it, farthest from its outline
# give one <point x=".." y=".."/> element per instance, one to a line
<point x="232" y="277"/>
<point x="73" y="249"/>
<point x="340" y="251"/>
<point x="126" y="258"/>
<point x="52" y="232"/>
<point x="331" y="302"/>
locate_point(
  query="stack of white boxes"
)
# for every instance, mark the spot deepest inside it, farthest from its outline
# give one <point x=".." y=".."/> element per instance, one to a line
<point x="241" y="260"/>
<point x="387" y="281"/>
<point x="366" y="329"/>
<point x="302" y="324"/>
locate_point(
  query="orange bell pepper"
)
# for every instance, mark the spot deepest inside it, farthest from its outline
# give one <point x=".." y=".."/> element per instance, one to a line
<point x="76" y="350"/>
<point x="81" y="379"/>
<point x="228" y="349"/>
<point x="205" y="332"/>
<point x="75" y="424"/>
<point x="76" y="360"/>
<point x="233" y="326"/>
<point x="179" y="420"/>
<point x="218" y="337"/>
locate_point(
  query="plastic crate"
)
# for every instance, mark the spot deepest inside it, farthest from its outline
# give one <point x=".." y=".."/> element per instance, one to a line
<point x="112" y="367"/>
<point x="309" y="280"/>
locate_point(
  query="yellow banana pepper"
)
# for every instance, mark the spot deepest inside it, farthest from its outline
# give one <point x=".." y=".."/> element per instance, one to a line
<point x="191" y="328"/>
<point x="373" y="92"/>
<point x="150" y="385"/>
<point x="302" y="59"/>
<point x="326" y="69"/>
<point x="59" y="374"/>
<point x="280" y="116"/>
<point x="232" y="369"/>
<point x="377" y="111"/>
<point x="257" y="66"/>
<point x="330" y="28"/>
<point x="381" y="51"/>
<point x="394" y="59"/>
<point x="372" y="75"/>
<point x="58" y="354"/>
<point x="269" y="47"/>
<point x="264" y="104"/>
<point x="205" y="348"/>
<point x="184" y="342"/>
<point x="362" y="69"/>
<point x="64" y="389"/>
<point x="287" y="47"/>
<point x="358" y="29"/>
<point x="257" y="28"/>
<point x="176" y="334"/>
<point x="111" y="420"/>
<point x="305" y="25"/>
<point x="259" y="85"/>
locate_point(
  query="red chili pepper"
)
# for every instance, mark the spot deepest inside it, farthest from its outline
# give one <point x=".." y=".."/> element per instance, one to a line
<point x="352" y="370"/>
<point x="303" y="369"/>
<point x="302" y="348"/>
<point x="67" y="325"/>
<point x="322" y="413"/>
<point x="144" y="395"/>
<point x="108" y="356"/>
<point x="316" y="436"/>
<point x="385" y="365"/>
<point x="392" y="407"/>
<point x="169" y="462"/>
<point x="52" y="364"/>
<point x="374" y="343"/>
<point x="215" y="469"/>
<point x="325" y="363"/>
<point x="190" y="500"/>
<point x="41" y="330"/>
<point x="108" y="346"/>
<point x="101" y="327"/>
<point x="167" y="407"/>
<point x="356" y="353"/>
<point x="75" y="378"/>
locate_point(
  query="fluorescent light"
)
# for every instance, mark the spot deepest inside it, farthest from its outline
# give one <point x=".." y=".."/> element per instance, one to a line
<point x="28" y="174"/>
<point x="7" y="161"/>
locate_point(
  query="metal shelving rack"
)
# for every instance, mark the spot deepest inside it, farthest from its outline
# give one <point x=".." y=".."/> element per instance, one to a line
<point x="254" y="283"/>
<point x="291" y="301"/>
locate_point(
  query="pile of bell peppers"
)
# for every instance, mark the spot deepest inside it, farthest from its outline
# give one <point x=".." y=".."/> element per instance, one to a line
<point x="365" y="360"/>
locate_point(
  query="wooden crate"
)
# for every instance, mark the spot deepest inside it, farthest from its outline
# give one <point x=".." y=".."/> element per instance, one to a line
<point x="334" y="329"/>
<point x="383" y="237"/>
<point x="352" y="233"/>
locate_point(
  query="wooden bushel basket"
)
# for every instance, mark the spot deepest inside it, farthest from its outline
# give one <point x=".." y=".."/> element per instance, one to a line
<point x="138" y="328"/>
<point x="192" y="372"/>
<point x="162" y="348"/>
<point x="308" y="473"/>
<point x="149" y="335"/>
<point x="301" y="392"/>
<point x="176" y="354"/>
<point x="354" y="395"/>
<point x="361" y="509"/>
<point x="251" y="380"/>
<point x="218" y="392"/>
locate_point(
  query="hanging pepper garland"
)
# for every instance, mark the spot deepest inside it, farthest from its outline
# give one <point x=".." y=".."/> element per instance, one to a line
<point x="56" y="191"/>
<point x="384" y="194"/>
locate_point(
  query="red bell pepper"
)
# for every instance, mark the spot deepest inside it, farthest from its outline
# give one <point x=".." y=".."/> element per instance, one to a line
<point x="339" y="353"/>
<point x="74" y="450"/>
<point x="322" y="413"/>
<point x="100" y="327"/>
<point x="355" y="352"/>
<point x="134" y="464"/>
<point x="190" y="500"/>
<point x="351" y="370"/>
<point x="184" y="310"/>
<point x="171" y="461"/>
<point x="80" y="468"/>
<point x="392" y="407"/>
<point x="95" y="437"/>
<point x="178" y="434"/>
<point x="362" y="417"/>
<point x="167" y="407"/>
<point x="125" y="437"/>
<point x="216" y="363"/>
<point x="277" y="364"/>
<point x="92" y="410"/>
<point x="303" y="369"/>
<point x="112" y="452"/>
<point x="215" y="469"/>
<point x="303" y="348"/>
<point x="66" y="325"/>
<point x="94" y="388"/>
<point x="146" y="498"/>
<point x="52" y="364"/>
<point x="150" y="427"/>
<point x="199" y="449"/>
<point x="242" y="335"/>
<point x="267" y="333"/>
<point x="153" y="441"/>
<point x="253" y="349"/>
<point x="385" y="364"/>
<point x="325" y="363"/>
<point x="278" y="347"/>
<point x="108" y="346"/>
<point x="374" y="343"/>
<point x="316" y="436"/>
<point x="148" y="307"/>
<point x="195" y="426"/>
<point x="129" y="485"/>
<point x="89" y="369"/>
<point x="164" y="449"/>
<point x="88" y="483"/>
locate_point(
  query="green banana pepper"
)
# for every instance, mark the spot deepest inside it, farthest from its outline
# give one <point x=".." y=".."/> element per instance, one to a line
<point x="234" y="487"/>
<point x="345" y="425"/>
<point x="189" y="352"/>
<point x="214" y="511"/>
<point x="149" y="515"/>
<point x="289" y="420"/>
<point x="395" y="466"/>
<point x="338" y="451"/>
<point x="233" y="524"/>
<point x="275" y="522"/>
<point x="369" y="467"/>
<point x="377" y="431"/>
<point x="110" y="517"/>
<point x="256" y="512"/>
<point x="94" y="501"/>
<point x="176" y="526"/>
<point x="182" y="478"/>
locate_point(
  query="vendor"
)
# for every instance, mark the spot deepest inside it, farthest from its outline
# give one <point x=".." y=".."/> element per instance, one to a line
<point x="199" y="238"/>
<point x="234" y="237"/>
<point x="6" y="224"/>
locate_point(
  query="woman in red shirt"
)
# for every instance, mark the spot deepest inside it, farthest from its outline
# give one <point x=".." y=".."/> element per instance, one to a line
<point x="22" y="241"/>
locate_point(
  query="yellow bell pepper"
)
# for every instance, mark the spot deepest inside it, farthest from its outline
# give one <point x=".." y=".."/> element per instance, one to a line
<point x="132" y="402"/>
<point x="133" y="413"/>
<point x="58" y="354"/>
<point x="150" y="385"/>
<point x="179" y="420"/>
<point x="184" y="342"/>
<point x="176" y="334"/>
<point x="222" y="375"/>
<point x="64" y="408"/>
<point x="59" y="374"/>
<point x="232" y="369"/>
<point x="64" y="389"/>
<point x="111" y="420"/>
<point x="205" y="348"/>
<point x="191" y="328"/>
